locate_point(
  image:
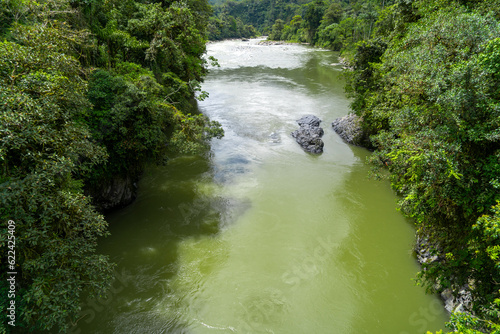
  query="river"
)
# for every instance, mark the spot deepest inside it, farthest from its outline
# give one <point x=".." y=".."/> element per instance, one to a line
<point x="259" y="236"/>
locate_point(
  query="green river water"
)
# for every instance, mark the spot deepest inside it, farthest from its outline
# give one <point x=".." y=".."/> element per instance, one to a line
<point x="259" y="236"/>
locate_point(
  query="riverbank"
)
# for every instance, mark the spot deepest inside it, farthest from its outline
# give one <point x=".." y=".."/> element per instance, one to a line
<point x="426" y="249"/>
<point x="261" y="236"/>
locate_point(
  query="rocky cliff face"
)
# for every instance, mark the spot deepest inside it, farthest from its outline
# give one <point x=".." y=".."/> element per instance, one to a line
<point x="114" y="193"/>
<point x="428" y="252"/>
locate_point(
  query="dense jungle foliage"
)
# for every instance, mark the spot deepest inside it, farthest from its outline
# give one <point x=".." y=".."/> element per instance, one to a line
<point x="88" y="90"/>
<point x="92" y="89"/>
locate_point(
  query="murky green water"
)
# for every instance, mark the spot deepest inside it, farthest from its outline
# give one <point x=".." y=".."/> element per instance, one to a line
<point x="261" y="237"/>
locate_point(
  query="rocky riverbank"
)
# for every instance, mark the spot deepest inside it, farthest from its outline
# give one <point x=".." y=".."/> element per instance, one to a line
<point x="345" y="64"/>
<point x="350" y="130"/>
<point x="428" y="251"/>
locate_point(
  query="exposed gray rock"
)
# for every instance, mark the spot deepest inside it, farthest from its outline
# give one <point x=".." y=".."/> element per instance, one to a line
<point x="274" y="138"/>
<point x="425" y="250"/>
<point x="309" y="134"/>
<point x="345" y="63"/>
<point x="349" y="129"/>
<point x="461" y="303"/>
<point x="428" y="252"/>
<point x="310" y="120"/>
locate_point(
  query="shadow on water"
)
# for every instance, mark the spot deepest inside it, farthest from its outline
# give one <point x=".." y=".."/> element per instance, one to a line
<point x="175" y="202"/>
<point x="375" y="256"/>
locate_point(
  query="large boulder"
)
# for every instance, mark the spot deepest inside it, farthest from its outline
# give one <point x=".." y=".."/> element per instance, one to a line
<point x="310" y="120"/>
<point x="309" y="134"/>
<point x="350" y="130"/>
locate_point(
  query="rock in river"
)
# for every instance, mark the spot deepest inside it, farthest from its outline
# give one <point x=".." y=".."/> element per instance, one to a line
<point x="349" y="129"/>
<point x="309" y="134"/>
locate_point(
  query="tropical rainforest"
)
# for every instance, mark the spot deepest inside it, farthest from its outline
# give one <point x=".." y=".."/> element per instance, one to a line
<point x="92" y="90"/>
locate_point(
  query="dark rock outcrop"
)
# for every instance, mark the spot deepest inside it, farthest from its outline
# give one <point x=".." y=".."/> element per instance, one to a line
<point x="309" y="134"/>
<point x="428" y="252"/>
<point x="350" y="130"/>
<point x="114" y="193"/>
